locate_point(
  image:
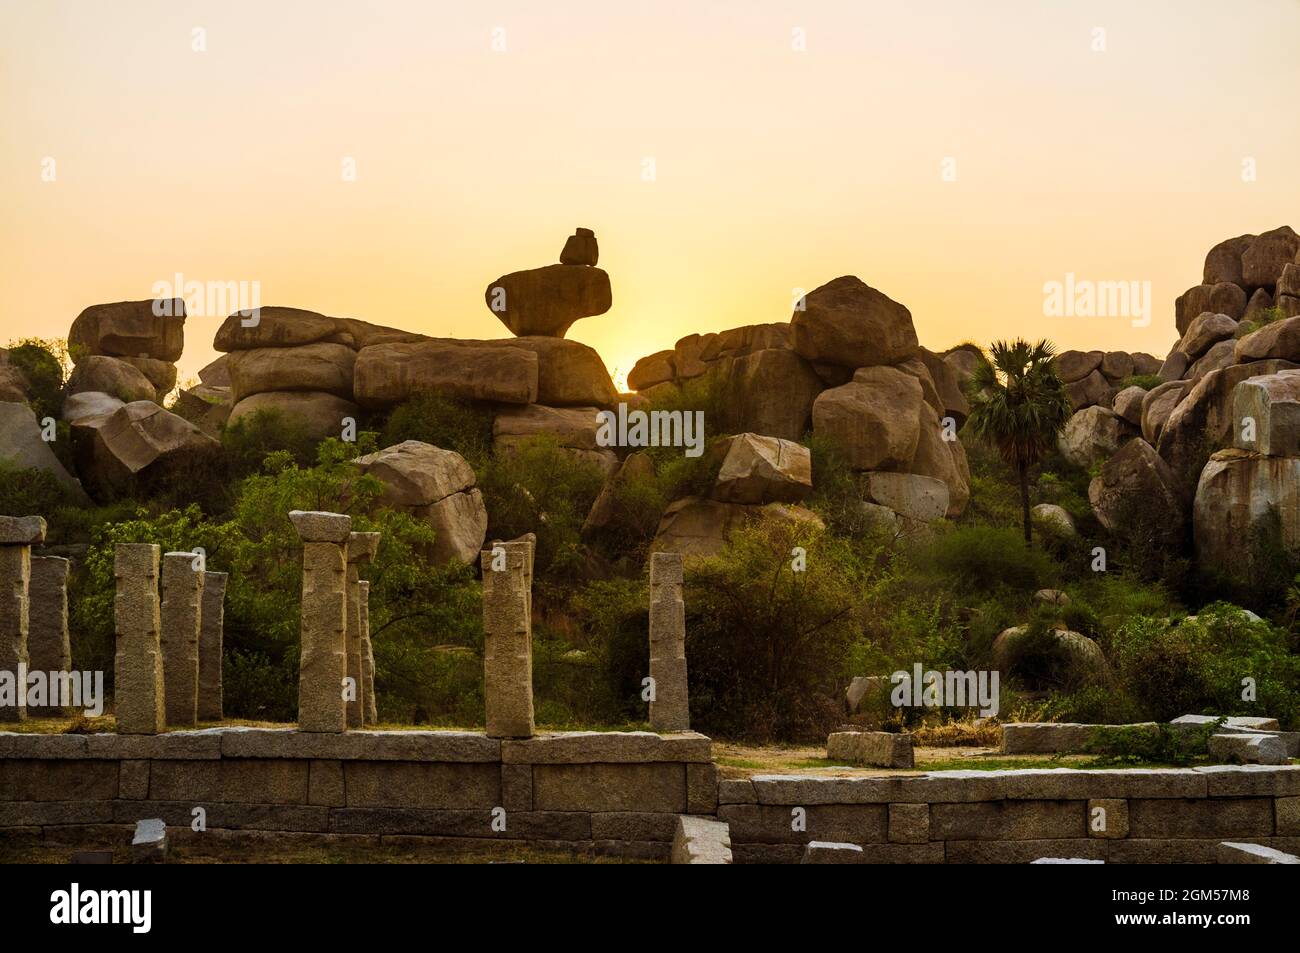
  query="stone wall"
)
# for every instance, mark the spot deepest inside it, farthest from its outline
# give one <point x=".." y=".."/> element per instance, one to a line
<point x="621" y="794"/>
<point x="617" y="793"/>
<point x="1175" y="815"/>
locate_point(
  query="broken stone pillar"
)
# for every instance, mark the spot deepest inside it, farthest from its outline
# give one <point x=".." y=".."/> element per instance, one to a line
<point x="361" y="550"/>
<point x="48" y="647"/>
<point x="17" y="533"/>
<point x="211" y="637"/>
<point x="323" y="662"/>
<point x="508" y="638"/>
<point x="137" y="664"/>
<point x="367" y="658"/>
<point x="182" y="607"/>
<point x="670" y="703"/>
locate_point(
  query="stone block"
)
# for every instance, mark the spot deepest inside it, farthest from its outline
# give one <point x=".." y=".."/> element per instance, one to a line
<point x="517" y="787"/>
<point x="242" y="782"/>
<point x="610" y="787"/>
<point x="323" y="656"/>
<point x="44" y="780"/>
<point x="1008" y="820"/>
<point x="1230" y="852"/>
<point x="1252" y="780"/>
<point x="608" y="747"/>
<point x="909" y="823"/>
<point x="137" y="665"/>
<point x="1050" y="784"/>
<point x="701" y="840"/>
<point x="133" y="780"/>
<point x="48" y="646"/>
<point x="773" y="824"/>
<point x="736" y="791"/>
<point x="317" y="527"/>
<point x="15" y="582"/>
<point x="701" y="788"/>
<point x="633" y="826"/>
<point x="1108" y="818"/>
<point x="1022" y="851"/>
<point x="32" y="746"/>
<point x="1286" y="813"/>
<point x="325" y="783"/>
<point x="201" y="745"/>
<point x="369" y="745"/>
<point x="508" y="639"/>
<point x="22" y="530"/>
<point x="877" y="748"/>
<point x="417" y="785"/>
<point x="953" y="786"/>
<point x="149" y="843"/>
<point x="211" y="639"/>
<point x="828" y="852"/>
<point x="1247" y="749"/>
<point x="1217" y="818"/>
<point x="181" y="615"/>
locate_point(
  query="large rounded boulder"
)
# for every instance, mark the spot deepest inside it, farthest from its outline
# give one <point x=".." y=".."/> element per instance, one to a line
<point x="848" y="323"/>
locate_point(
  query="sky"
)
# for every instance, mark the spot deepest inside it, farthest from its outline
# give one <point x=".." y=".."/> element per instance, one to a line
<point x="957" y="156"/>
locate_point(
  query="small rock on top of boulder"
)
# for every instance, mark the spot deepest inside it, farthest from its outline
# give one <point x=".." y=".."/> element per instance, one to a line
<point x="580" y="248"/>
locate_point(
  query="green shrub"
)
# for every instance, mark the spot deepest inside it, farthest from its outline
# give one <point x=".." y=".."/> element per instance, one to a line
<point x="984" y="558"/>
<point x="250" y="440"/>
<point x="30" y="492"/>
<point x="539" y="487"/>
<point x="444" y="422"/>
<point x="1259" y="319"/>
<point x="769" y="646"/>
<point x="1145" y="381"/>
<point x="613" y="622"/>
<point x="1132" y="744"/>
<point x="43" y="363"/>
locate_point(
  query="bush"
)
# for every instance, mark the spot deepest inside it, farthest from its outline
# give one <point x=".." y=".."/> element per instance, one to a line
<point x="984" y="558"/>
<point x="539" y="487"/>
<point x="1145" y="381"/>
<point x="1140" y="745"/>
<point x="30" y="492"/>
<point x="250" y="440"/>
<point x="769" y="647"/>
<point x="444" y="422"/>
<point x="43" y="363"/>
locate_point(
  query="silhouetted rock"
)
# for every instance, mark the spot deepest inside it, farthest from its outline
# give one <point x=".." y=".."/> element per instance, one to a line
<point x="547" y="301"/>
<point x="387" y="374"/>
<point x="849" y="323"/>
<point x="130" y="329"/>
<point x="580" y="248"/>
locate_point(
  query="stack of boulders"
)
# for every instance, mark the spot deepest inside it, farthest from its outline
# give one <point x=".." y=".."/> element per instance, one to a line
<point x="1215" y="439"/>
<point x="759" y="477"/>
<point x="849" y="365"/>
<point x="127" y="349"/>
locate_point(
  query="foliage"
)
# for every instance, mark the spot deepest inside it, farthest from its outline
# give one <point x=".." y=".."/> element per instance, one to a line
<point x="45" y="364"/>
<point x="980" y="559"/>
<point x="1145" y="381"/>
<point x="540" y="487"/>
<point x="444" y="422"/>
<point x="769" y="645"/>
<point x="247" y="442"/>
<point x="1259" y="319"/>
<point x="1134" y="744"/>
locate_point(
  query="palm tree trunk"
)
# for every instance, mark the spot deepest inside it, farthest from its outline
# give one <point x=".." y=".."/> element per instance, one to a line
<point x="1023" y="472"/>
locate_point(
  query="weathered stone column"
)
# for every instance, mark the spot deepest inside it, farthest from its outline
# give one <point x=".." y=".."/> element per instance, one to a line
<point x="182" y="607"/>
<point x="137" y="665"/>
<point x="508" y="638"/>
<point x="17" y="533"/>
<point x="368" y="657"/>
<point x="211" y="638"/>
<point x="670" y="707"/>
<point x="48" y="647"/>
<point x="323" y="662"/>
<point x="361" y="550"/>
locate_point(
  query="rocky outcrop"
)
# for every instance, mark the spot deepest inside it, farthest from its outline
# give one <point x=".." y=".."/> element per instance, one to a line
<point x="22" y="447"/>
<point x="1092" y="435"/>
<point x="322" y="367"/>
<point x="1245" y="498"/>
<point x="110" y="375"/>
<point x="320" y="415"/>
<point x="697" y="527"/>
<point x="573" y="428"/>
<point x="761" y="469"/>
<point x="770" y="391"/>
<point x="848" y="323"/>
<point x="1157" y="404"/>
<point x="386" y="374"/>
<point x="137" y="438"/>
<point x="154" y="329"/>
<point x="875" y="418"/>
<point x="437" y="487"/>
<point x="1266" y="412"/>
<point x="1136" y="488"/>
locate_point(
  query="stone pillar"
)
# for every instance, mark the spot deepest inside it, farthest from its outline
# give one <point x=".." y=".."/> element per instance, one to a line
<point x="670" y="709"/>
<point x="17" y="533"/>
<point x="323" y="662"/>
<point x="48" y="647"/>
<point x="368" y="657"/>
<point x="211" y="637"/>
<point x="182" y="607"/>
<point x="137" y="665"/>
<point x="508" y="638"/>
<point x="361" y="550"/>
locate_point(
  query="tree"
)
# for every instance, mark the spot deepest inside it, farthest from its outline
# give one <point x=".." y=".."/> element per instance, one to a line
<point x="1019" y="405"/>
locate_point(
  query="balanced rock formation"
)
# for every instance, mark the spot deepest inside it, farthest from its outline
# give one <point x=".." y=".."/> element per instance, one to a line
<point x="128" y="349"/>
<point x="548" y="300"/>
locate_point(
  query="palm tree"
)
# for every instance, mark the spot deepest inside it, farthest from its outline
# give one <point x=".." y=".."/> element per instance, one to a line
<point x="1019" y="405"/>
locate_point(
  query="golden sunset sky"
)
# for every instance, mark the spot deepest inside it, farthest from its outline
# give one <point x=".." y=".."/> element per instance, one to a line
<point x="776" y="168"/>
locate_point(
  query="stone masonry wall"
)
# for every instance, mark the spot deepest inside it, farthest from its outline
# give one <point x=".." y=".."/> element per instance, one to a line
<point x="1176" y="815"/>
<point x="621" y="794"/>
